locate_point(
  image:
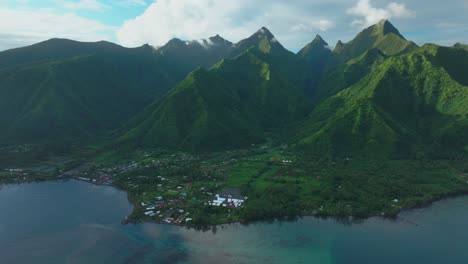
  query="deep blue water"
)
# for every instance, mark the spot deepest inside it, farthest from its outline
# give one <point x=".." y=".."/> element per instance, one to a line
<point x="76" y="222"/>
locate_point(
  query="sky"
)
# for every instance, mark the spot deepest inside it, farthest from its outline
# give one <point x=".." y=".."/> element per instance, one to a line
<point x="295" y="23"/>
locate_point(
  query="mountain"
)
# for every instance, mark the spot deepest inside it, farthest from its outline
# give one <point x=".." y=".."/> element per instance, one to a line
<point x="191" y="54"/>
<point x="382" y="36"/>
<point x="234" y="104"/>
<point x="54" y="49"/>
<point x="79" y="96"/>
<point x="317" y="55"/>
<point x="410" y="104"/>
<point x="348" y="74"/>
<point x="64" y="89"/>
<point x="461" y="46"/>
<point x="262" y="40"/>
<point x="379" y="95"/>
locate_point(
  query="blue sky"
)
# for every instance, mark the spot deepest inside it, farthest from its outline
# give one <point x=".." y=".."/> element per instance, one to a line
<point x="294" y="22"/>
<point x="106" y="11"/>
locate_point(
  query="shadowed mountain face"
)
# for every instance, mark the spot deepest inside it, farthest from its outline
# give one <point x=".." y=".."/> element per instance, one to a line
<point x="231" y="105"/>
<point x="189" y="55"/>
<point x="55" y="49"/>
<point x="317" y="55"/>
<point x="379" y="94"/>
<point x="64" y="89"/>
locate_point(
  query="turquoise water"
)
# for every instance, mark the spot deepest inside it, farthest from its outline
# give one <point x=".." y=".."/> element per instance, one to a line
<point x="76" y="222"/>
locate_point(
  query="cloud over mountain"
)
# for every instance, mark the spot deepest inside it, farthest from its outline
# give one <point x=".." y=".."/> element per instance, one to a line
<point x="368" y="14"/>
<point x="194" y="19"/>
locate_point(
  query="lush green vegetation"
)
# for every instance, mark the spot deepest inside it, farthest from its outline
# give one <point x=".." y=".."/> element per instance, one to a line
<point x="373" y="127"/>
<point x="278" y="182"/>
<point x="348" y="74"/>
<point x="63" y="89"/>
<point x="232" y="105"/>
<point x="408" y="106"/>
<point x="382" y="36"/>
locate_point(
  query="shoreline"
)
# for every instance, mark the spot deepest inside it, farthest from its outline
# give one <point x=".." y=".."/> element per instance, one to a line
<point x="343" y="219"/>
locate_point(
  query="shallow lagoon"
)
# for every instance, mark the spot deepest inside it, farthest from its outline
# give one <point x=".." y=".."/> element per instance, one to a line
<point x="76" y="222"/>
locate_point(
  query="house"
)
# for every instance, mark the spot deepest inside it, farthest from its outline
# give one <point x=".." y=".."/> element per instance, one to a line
<point x="229" y="197"/>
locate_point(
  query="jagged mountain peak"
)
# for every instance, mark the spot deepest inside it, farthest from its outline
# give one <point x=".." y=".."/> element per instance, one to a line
<point x="382" y="35"/>
<point x="264" y="32"/>
<point x="339" y="44"/>
<point x="262" y="40"/>
<point x="215" y="41"/>
<point x="386" y="27"/>
<point x="319" y="38"/>
<point x="317" y="45"/>
<point x="218" y="39"/>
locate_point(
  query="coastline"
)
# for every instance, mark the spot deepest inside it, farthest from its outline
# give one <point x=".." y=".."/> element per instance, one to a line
<point x="342" y="219"/>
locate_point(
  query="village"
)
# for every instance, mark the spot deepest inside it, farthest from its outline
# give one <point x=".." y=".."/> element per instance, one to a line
<point x="240" y="185"/>
<point x="175" y="188"/>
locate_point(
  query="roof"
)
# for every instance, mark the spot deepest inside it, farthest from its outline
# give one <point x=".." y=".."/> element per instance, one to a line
<point x="233" y="193"/>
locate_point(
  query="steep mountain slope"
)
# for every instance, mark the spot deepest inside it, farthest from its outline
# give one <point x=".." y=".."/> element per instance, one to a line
<point x="79" y="96"/>
<point x="189" y="55"/>
<point x="317" y="55"/>
<point x="61" y="89"/>
<point x="348" y="74"/>
<point x="382" y="36"/>
<point x="231" y="105"/>
<point x="410" y="104"/>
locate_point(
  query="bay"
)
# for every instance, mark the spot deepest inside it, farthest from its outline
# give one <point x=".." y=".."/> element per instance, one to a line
<point x="77" y="222"/>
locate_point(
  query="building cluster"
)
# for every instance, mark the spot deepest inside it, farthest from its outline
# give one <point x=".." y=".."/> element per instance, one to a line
<point x="229" y="198"/>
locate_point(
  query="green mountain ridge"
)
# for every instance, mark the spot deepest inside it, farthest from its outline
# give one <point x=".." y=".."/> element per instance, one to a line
<point x="231" y="105"/>
<point x="383" y="36"/>
<point x="64" y="89"/>
<point x="348" y="74"/>
<point x="56" y="49"/>
<point x="189" y="55"/>
<point x="410" y="104"/>
<point x="262" y="40"/>
<point x="77" y="97"/>
<point x="378" y="95"/>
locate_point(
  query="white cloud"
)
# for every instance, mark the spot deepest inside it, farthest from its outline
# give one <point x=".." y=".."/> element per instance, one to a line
<point x="294" y="22"/>
<point x="325" y="25"/>
<point x="25" y="27"/>
<point x="370" y="15"/>
<point x="234" y="20"/>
